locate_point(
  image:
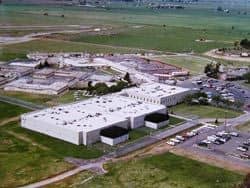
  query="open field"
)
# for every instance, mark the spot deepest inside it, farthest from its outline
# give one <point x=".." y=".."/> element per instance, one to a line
<point x="181" y="27"/>
<point x="9" y="110"/>
<point x="194" y="64"/>
<point x="24" y="161"/>
<point x="244" y="128"/>
<point x="204" y="111"/>
<point x="165" y="170"/>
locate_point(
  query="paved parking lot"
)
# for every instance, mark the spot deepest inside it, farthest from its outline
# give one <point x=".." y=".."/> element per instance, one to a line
<point x="225" y="152"/>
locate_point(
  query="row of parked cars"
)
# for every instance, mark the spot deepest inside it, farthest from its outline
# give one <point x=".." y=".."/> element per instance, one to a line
<point x="181" y="138"/>
<point x="244" y="146"/>
<point x="218" y="139"/>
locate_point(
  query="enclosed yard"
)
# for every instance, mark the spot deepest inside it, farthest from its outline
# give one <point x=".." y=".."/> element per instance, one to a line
<point x="204" y="111"/>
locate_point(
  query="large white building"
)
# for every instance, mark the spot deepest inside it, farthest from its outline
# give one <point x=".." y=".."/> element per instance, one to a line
<point x="81" y="122"/>
<point x="157" y="93"/>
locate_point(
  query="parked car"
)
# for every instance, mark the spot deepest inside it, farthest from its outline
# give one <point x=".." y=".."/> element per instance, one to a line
<point x="202" y="144"/>
<point x="218" y="142"/>
<point x="171" y="143"/>
<point x="241" y="148"/>
<point x="235" y="134"/>
<point x="207" y="141"/>
<point x="175" y="140"/>
<point x="181" y="138"/>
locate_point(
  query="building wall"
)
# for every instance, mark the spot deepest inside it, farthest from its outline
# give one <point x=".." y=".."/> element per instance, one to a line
<point x="55" y="131"/>
<point x="45" y="92"/>
<point x="114" y="141"/>
<point x="138" y="121"/>
<point x="94" y="136"/>
<point x="156" y="125"/>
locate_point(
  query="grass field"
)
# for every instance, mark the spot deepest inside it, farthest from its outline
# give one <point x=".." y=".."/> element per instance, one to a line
<point x="27" y="156"/>
<point x="166" y="170"/>
<point x="194" y="64"/>
<point x="9" y="110"/>
<point x="182" y="27"/>
<point x="204" y="111"/>
<point x="244" y="127"/>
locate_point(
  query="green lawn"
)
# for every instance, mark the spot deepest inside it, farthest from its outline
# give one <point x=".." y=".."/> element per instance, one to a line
<point x="8" y="110"/>
<point x="166" y="170"/>
<point x="68" y="98"/>
<point x="204" y="111"/>
<point x="27" y="156"/>
<point x="194" y="64"/>
<point x="244" y="127"/>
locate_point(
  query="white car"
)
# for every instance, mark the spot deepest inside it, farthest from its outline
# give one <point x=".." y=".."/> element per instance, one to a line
<point x="212" y="138"/>
<point x="235" y="134"/>
<point x="206" y="141"/>
<point x="171" y="143"/>
<point x="181" y="138"/>
<point x="175" y="140"/>
<point x="241" y="149"/>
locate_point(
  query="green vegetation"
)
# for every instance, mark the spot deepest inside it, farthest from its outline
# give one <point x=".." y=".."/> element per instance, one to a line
<point x="212" y="70"/>
<point x="175" y="39"/>
<point x="61" y="148"/>
<point x="194" y="64"/>
<point x="165" y="170"/>
<point x="67" y="98"/>
<point x="204" y="111"/>
<point x="34" y="98"/>
<point x="247" y="77"/>
<point x="8" y="110"/>
<point x="245" y="43"/>
<point x="24" y="161"/>
<point x="244" y="127"/>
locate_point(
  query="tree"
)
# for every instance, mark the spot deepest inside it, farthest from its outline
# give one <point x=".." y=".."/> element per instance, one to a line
<point x="245" y="43"/>
<point x="101" y="88"/>
<point x="127" y="78"/>
<point x="216" y="99"/>
<point x="212" y="70"/>
<point x="247" y="77"/>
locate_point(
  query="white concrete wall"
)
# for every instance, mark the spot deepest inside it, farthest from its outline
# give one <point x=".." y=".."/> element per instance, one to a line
<point x="114" y="141"/>
<point x="153" y="125"/>
<point x="68" y="135"/>
<point x="45" y="92"/>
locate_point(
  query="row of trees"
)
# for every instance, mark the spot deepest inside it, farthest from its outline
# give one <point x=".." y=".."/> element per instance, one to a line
<point x="245" y="43"/>
<point x="212" y="70"/>
<point x="102" y="88"/>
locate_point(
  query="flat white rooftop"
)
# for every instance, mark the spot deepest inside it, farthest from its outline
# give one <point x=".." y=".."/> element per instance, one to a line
<point x="95" y="113"/>
<point x="156" y="90"/>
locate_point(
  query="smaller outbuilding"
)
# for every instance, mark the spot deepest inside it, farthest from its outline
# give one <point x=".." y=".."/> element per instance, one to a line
<point x="156" y="120"/>
<point x="114" y="135"/>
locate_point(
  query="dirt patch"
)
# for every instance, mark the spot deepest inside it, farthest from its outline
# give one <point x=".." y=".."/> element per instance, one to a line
<point x="4" y="122"/>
